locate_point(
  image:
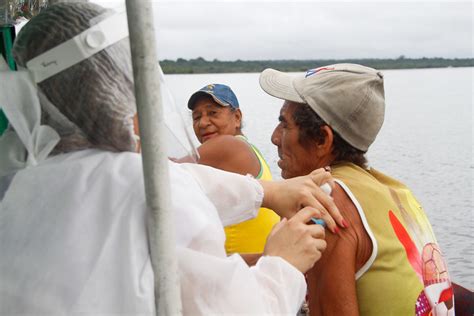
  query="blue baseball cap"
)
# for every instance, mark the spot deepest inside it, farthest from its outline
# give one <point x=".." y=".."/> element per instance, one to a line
<point x="221" y="93"/>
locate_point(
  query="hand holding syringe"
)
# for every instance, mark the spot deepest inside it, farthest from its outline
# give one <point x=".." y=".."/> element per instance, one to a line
<point x="319" y="221"/>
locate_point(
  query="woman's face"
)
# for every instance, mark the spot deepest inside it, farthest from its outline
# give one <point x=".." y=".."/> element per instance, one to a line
<point x="211" y="119"/>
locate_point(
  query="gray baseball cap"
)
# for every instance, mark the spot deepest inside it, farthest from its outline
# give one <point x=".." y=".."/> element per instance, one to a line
<point x="348" y="97"/>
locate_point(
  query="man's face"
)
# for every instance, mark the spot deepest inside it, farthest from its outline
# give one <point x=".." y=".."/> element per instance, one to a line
<point x="295" y="159"/>
<point x="210" y="119"/>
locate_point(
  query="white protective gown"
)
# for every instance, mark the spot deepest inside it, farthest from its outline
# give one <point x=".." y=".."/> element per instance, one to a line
<point x="73" y="242"/>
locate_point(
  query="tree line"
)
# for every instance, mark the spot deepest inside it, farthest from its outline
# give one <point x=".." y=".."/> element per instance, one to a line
<point x="200" y="65"/>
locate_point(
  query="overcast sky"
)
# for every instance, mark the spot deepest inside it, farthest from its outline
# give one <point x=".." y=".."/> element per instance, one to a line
<point x="253" y="30"/>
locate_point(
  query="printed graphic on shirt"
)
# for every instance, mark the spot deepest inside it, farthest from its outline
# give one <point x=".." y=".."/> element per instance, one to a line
<point x="425" y="257"/>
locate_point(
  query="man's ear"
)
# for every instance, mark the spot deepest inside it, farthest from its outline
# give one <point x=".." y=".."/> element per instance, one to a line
<point x="325" y="146"/>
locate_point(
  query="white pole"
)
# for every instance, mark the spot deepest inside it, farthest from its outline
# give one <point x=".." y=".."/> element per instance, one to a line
<point x="157" y="186"/>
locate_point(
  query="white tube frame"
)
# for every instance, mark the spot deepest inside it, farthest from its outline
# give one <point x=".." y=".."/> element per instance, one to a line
<point x="155" y="165"/>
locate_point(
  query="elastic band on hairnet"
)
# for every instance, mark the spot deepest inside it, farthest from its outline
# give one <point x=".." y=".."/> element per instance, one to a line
<point x="82" y="46"/>
<point x="27" y="142"/>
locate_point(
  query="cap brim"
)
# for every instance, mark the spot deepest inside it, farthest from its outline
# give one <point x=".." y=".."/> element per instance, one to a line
<point x="279" y="85"/>
<point x="196" y="95"/>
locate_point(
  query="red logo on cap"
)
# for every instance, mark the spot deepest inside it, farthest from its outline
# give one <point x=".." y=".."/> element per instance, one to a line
<point x="316" y="70"/>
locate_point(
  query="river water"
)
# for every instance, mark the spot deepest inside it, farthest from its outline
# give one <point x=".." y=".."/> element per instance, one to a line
<point x="426" y="142"/>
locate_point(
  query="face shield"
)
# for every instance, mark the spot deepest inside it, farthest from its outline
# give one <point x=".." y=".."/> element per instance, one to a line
<point x="77" y="84"/>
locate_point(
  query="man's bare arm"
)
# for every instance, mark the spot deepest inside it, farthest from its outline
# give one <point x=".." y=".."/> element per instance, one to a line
<point x="331" y="283"/>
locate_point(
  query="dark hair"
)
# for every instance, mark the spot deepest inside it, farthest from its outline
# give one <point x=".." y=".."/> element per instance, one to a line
<point x="310" y="124"/>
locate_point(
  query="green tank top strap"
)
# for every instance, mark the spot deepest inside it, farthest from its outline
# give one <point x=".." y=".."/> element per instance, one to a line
<point x="263" y="163"/>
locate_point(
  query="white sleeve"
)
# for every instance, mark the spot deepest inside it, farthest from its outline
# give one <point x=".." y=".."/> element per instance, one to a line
<point x="221" y="286"/>
<point x="236" y="197"/>
<point x="212" y="283"/>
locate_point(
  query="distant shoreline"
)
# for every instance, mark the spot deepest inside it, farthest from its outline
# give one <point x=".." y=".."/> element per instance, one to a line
<point x="202" y="66"/>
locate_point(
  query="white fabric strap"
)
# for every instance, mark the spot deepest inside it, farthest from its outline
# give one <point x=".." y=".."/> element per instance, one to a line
<point x="19" y="101"/>
<point x="80" y="47"/>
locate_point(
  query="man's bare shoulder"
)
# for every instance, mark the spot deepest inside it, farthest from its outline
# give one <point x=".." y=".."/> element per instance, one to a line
<point x="333" y="276"/>
<point x="355" y="234"/>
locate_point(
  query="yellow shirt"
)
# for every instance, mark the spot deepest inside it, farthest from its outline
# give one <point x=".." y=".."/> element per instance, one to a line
<point x="250" y="236"/>
<point x="406" y="273"/>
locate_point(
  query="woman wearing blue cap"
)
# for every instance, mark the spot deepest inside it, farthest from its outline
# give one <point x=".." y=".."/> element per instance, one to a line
<point x="217" y="123"/>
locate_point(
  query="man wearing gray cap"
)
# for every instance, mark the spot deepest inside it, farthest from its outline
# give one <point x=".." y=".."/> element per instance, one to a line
<point x="387" y="261"/>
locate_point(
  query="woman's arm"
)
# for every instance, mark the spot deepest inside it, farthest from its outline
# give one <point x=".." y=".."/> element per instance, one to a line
<point x="212" y="283"/>
<point x="288" y="196"/>
<point x="237" y="198"/>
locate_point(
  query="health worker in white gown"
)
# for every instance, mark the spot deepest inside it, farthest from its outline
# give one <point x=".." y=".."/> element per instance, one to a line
<point x="73" y="212"/>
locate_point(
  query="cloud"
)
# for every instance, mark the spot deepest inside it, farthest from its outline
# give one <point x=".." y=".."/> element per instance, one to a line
<point x="248" y="30"/>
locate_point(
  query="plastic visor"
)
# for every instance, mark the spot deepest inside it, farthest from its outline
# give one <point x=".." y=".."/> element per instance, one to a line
<point x="105" y="34"/>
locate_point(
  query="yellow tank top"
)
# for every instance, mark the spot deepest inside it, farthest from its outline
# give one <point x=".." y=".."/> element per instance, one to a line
<point x="250" y="236"/>
<point x="406" y="273"/>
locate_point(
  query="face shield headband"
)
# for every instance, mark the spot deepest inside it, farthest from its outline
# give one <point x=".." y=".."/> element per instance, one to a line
<point x="100" y="36"/>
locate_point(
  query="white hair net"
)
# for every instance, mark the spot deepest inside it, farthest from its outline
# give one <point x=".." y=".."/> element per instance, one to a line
<point x="90" y="104"/>
<point x="88" y="100"/>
